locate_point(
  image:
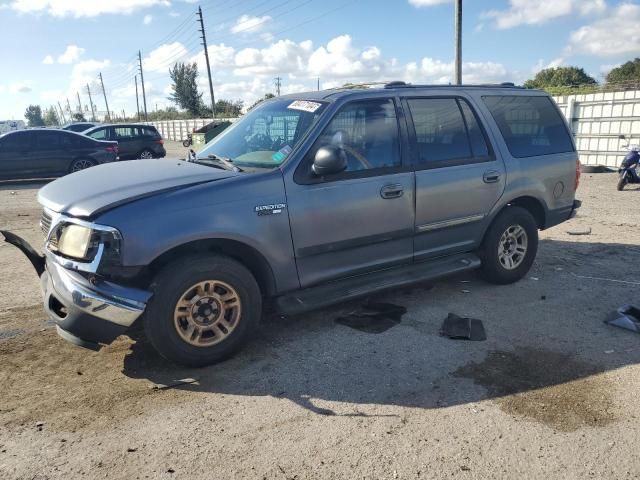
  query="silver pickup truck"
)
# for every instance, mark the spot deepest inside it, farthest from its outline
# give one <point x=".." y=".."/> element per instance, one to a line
<point x="308" y="200"/>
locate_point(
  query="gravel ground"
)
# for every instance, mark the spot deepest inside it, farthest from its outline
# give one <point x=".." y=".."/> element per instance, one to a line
<point x="550" y="393"/>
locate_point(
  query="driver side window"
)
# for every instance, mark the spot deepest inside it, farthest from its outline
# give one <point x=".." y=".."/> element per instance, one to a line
<point x="367" y="131"/>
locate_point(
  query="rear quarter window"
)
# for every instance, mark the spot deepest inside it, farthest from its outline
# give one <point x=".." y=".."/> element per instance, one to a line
<point x="530" y="125"/>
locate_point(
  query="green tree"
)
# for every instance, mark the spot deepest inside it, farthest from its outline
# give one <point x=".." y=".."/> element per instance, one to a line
<point x="33" y="114"/>
<point x="185" y="87"/>
<point x="78" y="117"/>
<point x="267" y="96"/>
<point x="628" y="72"/>
<point x="560" y="77"/>
<point x="51" y="117"/>
<point x="229" y="108"/>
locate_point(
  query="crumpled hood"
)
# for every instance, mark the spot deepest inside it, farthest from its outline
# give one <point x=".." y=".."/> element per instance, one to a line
<point x="91" y="191"/>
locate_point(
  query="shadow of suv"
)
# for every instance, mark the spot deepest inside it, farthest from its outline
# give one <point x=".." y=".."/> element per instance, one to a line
<point x="309" y="199"/>
<point x="134" y="140"/>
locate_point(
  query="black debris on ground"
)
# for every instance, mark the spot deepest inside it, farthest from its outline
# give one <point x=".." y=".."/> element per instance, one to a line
<point x="463" y="328"/>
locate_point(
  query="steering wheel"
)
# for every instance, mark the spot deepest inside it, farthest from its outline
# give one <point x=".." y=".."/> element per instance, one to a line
<point x="340" y="138"/>
<point x="259" y="141"/>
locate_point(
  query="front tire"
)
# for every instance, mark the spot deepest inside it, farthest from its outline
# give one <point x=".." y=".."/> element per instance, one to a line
<point x="509" y="246"/>
<point x="203" y="309"/>
<point x="622" y="182"/>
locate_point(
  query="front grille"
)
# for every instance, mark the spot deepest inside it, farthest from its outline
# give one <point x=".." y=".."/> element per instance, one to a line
<point x="45" y="223"/>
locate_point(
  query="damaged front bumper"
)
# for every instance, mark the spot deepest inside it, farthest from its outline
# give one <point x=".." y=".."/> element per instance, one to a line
<point x="88" y="312"/>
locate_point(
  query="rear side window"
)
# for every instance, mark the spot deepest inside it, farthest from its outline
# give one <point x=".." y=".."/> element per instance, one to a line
<point x="149" y="131"/>
<point x="53" y="140"/>
<point x="530" y="126"/>
<point x="125" y="132"/>
<point x="447" y="132"/>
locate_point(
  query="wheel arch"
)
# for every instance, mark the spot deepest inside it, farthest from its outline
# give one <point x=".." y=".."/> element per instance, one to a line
<point x="239" y="251"/>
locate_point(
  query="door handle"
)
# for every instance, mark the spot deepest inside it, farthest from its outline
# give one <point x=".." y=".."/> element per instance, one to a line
<point x="492" y="176"/>
<point x="392" y="191"/>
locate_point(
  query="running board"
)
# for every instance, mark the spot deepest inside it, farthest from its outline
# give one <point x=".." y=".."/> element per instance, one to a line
<point x="353" y="287"/>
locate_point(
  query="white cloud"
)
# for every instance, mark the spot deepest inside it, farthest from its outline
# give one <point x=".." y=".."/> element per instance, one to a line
<point x="82" y="8"/>
<point x="71" y="54"/>
<point x="341" y="59"/>
<point x="616" y="34"/>
<point x="528" y="12"/>
<point x="19" y="87"/>
<point x="163" y="57"/>
<point x="428" y="3"/>
<point x="431" y="70"/>
<point x="147" y="19"/>
<point x="541" y="65"/>
<point x="86" y="72"/>
<point x="249" y="24"/>
<point x="284" y="56"/>
<point x="48" y="60"/>
<point x="221" y="56"/>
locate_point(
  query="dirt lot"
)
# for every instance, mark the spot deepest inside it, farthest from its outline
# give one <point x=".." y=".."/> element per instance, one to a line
<point x="551" y="393"/>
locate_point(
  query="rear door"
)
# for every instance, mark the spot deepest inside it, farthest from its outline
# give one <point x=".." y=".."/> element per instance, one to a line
<point x="128" y="142"/>
<point x="53" y="153"/>
<point x="361" y="219"/>
<point x="458" y="176"/>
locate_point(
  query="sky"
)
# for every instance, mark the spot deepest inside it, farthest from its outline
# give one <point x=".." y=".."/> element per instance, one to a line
<point x="51" y="49"/>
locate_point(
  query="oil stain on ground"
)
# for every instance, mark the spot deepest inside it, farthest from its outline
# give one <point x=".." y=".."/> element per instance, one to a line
<point x="549" y="387"/>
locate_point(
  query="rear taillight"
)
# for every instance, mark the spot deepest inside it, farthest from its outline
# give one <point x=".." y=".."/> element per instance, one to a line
<point x="160" y="141"/>
<point x="578" y="173"/>
<point x="112" y="149"/>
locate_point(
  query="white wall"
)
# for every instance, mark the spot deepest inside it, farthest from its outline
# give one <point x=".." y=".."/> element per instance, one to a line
<point x="177" y="130"/>
<point x="597" y="119"/>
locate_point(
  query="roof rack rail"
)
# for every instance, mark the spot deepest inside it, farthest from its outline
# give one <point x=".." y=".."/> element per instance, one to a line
<point x="401" y="84"/>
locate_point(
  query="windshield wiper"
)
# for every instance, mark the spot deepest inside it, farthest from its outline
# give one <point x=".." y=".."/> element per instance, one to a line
<point x="222" y="163"/>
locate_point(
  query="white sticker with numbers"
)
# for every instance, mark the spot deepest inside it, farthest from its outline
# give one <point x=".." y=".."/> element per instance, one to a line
<point x="305" y="106"/>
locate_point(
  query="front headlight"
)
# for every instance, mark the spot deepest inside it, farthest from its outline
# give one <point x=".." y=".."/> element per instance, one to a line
<point x="74" y="241"/>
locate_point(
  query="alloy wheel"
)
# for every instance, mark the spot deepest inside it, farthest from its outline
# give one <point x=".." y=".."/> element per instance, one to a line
<point x="512" y="247"/>
<point x="207" y="313"/>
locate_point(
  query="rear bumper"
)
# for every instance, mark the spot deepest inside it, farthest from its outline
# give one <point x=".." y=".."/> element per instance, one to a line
<point x="88" y="313"/>
<point x="557" y="216"/>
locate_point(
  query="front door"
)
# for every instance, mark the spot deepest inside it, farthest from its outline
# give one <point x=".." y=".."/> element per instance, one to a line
<point x="458" y="176"/>
<point x="361" y="219"/>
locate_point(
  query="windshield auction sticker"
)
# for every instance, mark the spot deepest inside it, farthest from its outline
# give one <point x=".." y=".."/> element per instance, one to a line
<point x="305" y="106"/>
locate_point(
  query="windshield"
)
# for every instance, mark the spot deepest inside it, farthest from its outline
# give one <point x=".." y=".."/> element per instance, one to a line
<point x="265" y="136"/>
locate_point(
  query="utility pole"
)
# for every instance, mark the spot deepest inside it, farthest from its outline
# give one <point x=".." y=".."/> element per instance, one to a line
<point x="69" y="110"/>
<point x="278" y="81"/>
<point x="105" y="98"/>
<point x="144" y="95"/>
<point x="137" y="101"/>
<point x="79" y="103"/>
<point x="318" y="83"/>
<point x="93" y="112"/>
<point x="458" y="41"/>
<point x="206" y="57"/>
<point x="64" y="120"/>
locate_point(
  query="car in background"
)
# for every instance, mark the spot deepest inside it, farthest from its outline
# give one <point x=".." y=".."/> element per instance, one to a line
<point x="45" y="153"/>
<point x="79" y="126"/>
<point x="134" y="140"/>
<point x="11" y="125"/>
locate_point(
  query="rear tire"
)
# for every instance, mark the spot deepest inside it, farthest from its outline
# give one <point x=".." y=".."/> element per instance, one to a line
<point x="81" y="164"/>
<point x="622" y="182"/>
<point x="145" y="154"/>
<point x="509" y="246"/>
<point x="204" y="308"/>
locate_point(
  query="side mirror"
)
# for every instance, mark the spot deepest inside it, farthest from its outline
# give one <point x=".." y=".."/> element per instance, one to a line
<point x="329" y="160"/>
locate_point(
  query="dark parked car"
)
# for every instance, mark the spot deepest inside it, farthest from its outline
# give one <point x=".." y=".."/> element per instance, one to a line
<point x="134" y="141"/>
<point x="309" y="199"/>
<point x="79" y="126"/>
<point x="45" y="153"/>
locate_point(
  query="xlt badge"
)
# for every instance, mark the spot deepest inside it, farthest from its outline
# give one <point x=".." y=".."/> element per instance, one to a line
<point x="270" y="209"/>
